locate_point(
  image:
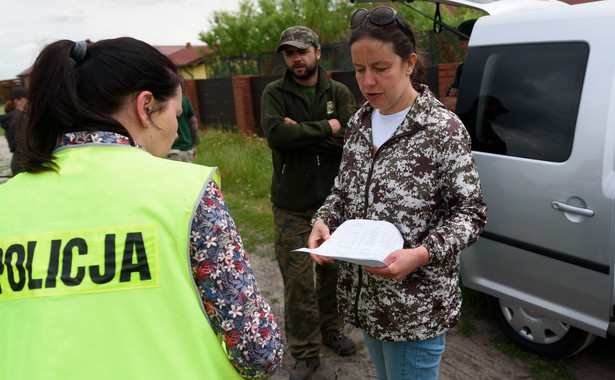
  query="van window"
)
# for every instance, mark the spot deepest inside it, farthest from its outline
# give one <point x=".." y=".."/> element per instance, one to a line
<point x="522" y="100"/>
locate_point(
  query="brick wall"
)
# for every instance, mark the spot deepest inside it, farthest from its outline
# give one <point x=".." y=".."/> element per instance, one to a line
<point x="446" y="76"/>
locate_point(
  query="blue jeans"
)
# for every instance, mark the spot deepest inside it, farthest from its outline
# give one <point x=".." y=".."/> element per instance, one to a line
<point x="418" y="360"/>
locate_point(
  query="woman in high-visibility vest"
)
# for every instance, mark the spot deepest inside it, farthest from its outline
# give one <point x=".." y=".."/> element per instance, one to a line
<point x="116" y="263"/>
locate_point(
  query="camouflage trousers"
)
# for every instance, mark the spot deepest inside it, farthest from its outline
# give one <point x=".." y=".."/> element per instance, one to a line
<point x="310" y="302"/>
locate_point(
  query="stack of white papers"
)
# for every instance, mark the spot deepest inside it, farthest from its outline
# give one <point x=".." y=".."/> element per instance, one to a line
<point x="360" y="241"/>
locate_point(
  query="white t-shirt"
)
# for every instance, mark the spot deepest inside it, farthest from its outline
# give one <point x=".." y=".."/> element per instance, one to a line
<point x="383" y="126"/>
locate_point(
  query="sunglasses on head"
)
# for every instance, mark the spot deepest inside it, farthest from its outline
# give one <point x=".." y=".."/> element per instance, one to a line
<point x="380" y="16"/>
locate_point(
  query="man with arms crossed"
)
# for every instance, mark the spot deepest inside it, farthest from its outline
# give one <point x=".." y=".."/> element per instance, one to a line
<point x="304" y="115"/>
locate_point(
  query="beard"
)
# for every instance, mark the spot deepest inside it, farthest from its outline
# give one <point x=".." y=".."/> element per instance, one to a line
<point x="307" y="73"/>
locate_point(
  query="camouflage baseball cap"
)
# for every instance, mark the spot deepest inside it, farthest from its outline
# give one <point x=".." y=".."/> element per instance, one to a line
<point x="298" y="36"/>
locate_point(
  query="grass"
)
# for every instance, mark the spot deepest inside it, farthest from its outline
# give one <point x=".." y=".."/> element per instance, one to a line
<point x="246" y="168"/>
<point x="475" y="307"/>
<point x="540" y="368"/>
<point x="244" y="162"/>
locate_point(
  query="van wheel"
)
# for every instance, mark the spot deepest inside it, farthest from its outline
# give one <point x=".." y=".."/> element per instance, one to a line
<point x="537" y="333"/>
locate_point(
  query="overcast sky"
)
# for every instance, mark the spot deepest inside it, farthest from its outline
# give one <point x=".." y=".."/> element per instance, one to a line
<point x="26" y="26"/>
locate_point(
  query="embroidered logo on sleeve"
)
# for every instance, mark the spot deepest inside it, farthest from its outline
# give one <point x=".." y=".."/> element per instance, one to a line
<point x="330" y="107"/>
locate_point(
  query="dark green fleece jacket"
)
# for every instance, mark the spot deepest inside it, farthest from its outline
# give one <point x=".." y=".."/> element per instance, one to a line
<point x="306" y="156"/>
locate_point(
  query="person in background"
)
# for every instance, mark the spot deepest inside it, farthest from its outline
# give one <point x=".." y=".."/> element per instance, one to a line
<point x="116" y="262"/>
<point x="450" y="100"/>
<point x="14" y="122"/>
<point x="184" y="147"/>
<point x="303" y="116"/>
<point x="6" y="121"/>
<point x="9" y="106"/>
<point x="406" y="160"/>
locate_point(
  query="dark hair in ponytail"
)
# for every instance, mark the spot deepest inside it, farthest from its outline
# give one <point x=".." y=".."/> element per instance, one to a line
<point x="403" y="45"/>
<point x="74" y="87"/>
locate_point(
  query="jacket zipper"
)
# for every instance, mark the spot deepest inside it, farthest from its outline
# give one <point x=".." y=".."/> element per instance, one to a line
<point x="312" y="110"/>
<point x="360" y="279"/>
<point x="366" y="195"/>
<point x="318" y="177"/>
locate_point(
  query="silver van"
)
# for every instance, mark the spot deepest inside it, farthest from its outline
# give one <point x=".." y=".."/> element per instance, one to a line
<point x="537" y="95"/>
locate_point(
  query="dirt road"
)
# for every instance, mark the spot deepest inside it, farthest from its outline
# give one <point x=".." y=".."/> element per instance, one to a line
<point x="465" y="358"/>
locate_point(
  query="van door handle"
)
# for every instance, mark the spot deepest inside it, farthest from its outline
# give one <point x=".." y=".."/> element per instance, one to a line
<point x="572" y="209"/>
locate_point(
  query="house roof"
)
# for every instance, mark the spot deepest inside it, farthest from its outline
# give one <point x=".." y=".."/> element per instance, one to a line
<point x="25" y="72"/>
<point x="185" y="55"/>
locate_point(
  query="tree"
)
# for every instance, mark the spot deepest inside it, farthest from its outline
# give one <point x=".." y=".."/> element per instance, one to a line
<point x="256" y="27"/>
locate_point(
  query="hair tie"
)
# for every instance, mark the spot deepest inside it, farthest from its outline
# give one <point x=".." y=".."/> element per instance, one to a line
<point x="78" y="51"/>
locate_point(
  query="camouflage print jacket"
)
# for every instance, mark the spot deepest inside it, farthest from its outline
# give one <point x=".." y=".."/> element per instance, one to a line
<point x="423" y="180"/>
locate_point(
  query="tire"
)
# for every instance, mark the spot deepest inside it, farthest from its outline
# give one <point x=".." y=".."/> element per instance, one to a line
<point x="538" y="333"/>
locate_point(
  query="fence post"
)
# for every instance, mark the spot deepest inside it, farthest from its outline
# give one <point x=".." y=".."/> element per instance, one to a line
<point x="192" y="94"/>
<point x="244" y="108"/>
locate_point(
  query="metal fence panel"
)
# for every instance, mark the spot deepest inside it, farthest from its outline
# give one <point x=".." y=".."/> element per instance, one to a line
<point x="348" y="78"/>
<point x="216" y="102"/>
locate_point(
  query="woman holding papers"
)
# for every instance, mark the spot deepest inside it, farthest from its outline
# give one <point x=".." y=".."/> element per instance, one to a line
<point x="406" y="160"/>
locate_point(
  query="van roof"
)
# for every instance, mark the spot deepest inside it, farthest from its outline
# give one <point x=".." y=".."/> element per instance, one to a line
<point x="493" y="7"/>
<point x="586" y="21"/>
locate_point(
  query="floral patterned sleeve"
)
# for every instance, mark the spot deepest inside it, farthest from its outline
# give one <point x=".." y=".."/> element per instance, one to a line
<point x="238" y="311"/>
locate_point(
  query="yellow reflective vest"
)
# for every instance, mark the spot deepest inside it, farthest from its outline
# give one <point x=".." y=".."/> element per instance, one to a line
<point x="95" y="279"/>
